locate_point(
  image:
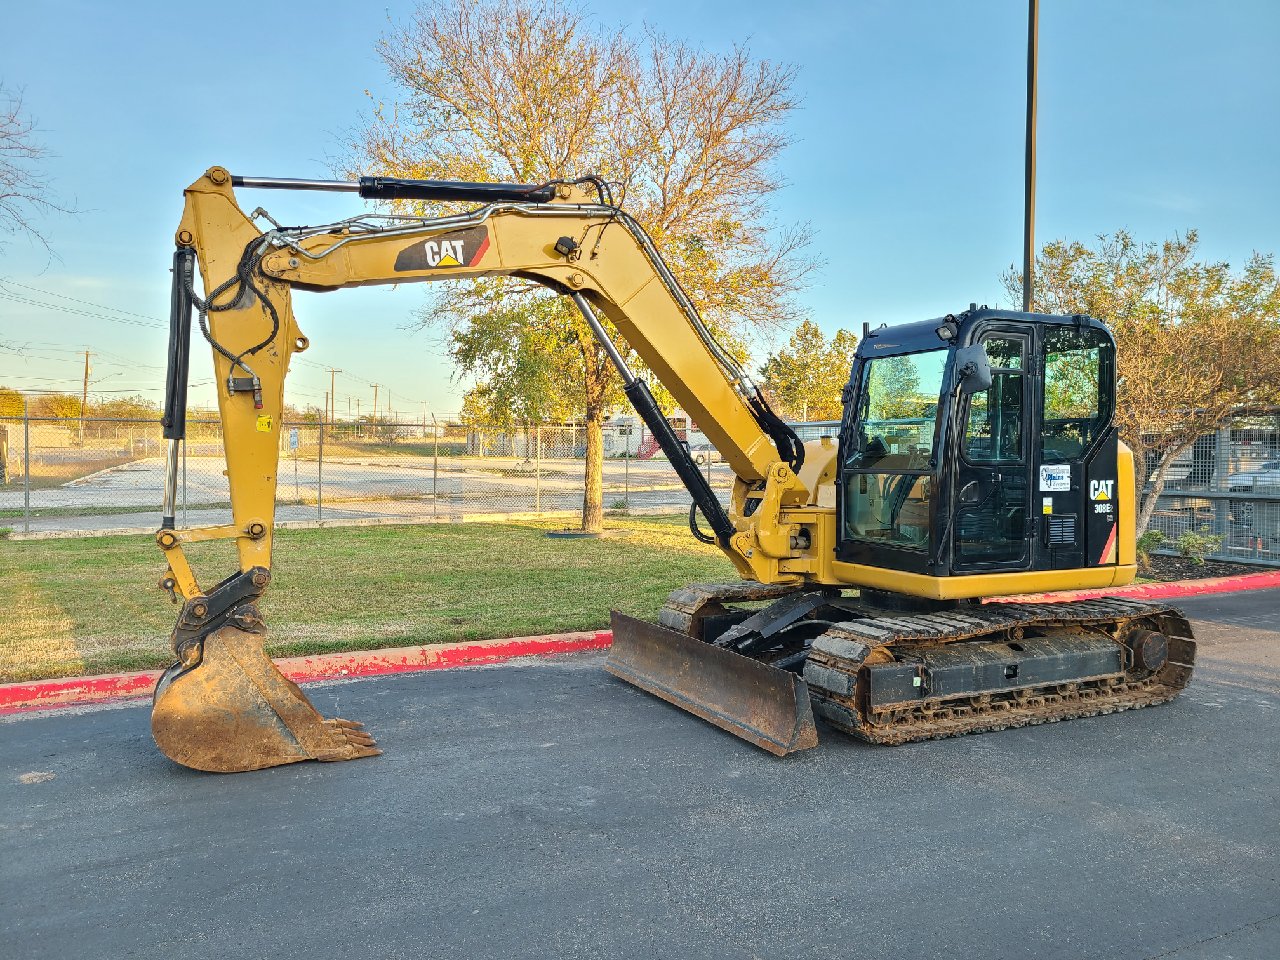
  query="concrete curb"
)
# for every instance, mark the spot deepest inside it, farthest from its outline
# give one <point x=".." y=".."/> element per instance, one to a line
<point x="69" y="691"/>
<point x="65" y="692"/>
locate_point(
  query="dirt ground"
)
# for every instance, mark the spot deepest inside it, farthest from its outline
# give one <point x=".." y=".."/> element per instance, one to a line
<point x="1184" y="568"/>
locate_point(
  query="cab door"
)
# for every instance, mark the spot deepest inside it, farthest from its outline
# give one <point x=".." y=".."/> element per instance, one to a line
<point x="992" y="493"/>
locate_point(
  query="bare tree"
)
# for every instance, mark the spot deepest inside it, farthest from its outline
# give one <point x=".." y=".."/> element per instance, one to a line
<point x="1197" y="343"/>
<point x="531" y="90"/>
<point x="24" y="189"/>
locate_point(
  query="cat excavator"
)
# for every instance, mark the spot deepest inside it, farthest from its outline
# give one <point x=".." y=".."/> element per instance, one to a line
<point x="977" y="460"/>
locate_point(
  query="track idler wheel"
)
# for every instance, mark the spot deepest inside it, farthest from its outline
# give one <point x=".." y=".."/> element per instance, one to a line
<point x="1150" y="650"/>
<point x="227" y="709"/>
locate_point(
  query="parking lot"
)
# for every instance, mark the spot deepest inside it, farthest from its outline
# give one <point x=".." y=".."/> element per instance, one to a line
<point x="547" y="810"/>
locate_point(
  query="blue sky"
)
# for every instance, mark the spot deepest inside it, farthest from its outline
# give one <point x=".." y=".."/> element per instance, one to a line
<point x="907" y="167"/>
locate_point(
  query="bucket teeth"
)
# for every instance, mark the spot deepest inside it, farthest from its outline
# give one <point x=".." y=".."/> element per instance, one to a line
<point x="350" y="740"/>
<point x="235" y="711"/>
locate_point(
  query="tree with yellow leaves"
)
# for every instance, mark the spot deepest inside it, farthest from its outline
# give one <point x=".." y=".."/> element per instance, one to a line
<point x="1197" y="344"/>
<point x="532" y="90"/>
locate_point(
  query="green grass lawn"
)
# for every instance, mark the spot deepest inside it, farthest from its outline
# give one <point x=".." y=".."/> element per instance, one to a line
<point x="85" y="606"/>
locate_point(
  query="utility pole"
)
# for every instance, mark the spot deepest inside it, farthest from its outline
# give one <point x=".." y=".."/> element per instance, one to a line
<point x="1029" y="214"/>
<point x="333" y="394"/>
<point x="374" y="415"/>
<point x="84" y="395"/>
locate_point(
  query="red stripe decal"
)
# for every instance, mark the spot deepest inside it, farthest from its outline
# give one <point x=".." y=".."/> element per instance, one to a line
<point x="479" y="251"/>
<point x="1109" y="551"/>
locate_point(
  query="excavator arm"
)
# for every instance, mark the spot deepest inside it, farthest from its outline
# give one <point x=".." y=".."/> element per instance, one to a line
<point x="223" y="705"/>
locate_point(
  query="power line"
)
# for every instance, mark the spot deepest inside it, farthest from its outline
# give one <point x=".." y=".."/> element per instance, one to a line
<point x="75" y="312"/>
<point x="142" y="320"/>
<point x="87" y="303"/>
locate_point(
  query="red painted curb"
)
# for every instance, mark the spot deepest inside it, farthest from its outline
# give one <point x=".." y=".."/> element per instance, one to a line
<point x="50" y="694"/>
<point x="1156" y="591"/>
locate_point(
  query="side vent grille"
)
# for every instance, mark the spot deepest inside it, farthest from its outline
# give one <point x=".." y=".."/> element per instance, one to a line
<point x="1062" y="529"/>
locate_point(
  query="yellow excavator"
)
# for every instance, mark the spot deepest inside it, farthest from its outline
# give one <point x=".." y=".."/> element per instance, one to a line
<point x="977" y="459"/>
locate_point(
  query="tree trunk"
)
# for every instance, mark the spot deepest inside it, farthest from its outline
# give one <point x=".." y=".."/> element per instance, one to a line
<point x="593" y="476"/>
<point x="1147" y="501"/>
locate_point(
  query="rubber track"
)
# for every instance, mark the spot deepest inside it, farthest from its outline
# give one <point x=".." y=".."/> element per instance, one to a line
<point x="936" y="719"/>
<point x="687" y="605"/>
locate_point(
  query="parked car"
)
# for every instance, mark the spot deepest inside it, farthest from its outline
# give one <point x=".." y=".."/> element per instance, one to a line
<point x="1264" y="475"/>
<point x="704" y="453"/>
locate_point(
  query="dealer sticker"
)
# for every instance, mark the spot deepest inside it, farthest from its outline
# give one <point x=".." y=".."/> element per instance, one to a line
<point x="1055" y="478"/>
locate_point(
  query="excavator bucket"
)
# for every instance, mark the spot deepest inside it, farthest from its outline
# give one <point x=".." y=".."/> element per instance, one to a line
<point x="232" y="710"/>
<point x="752" y="700"/>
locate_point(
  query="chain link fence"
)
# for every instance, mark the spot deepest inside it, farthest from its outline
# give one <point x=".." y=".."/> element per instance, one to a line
<point x="99" y="475"/>
<point x="94" y="475"/>
<point x="1225" y="493"/>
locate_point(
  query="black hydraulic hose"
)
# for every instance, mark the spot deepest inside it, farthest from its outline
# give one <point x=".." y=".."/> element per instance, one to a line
<point x="174" y="421"/>
<point x="695" y="529"/>
<point x="790" y="446"/>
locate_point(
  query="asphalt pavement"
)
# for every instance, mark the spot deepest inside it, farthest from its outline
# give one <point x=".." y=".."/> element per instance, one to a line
<point x="547" y="810"/>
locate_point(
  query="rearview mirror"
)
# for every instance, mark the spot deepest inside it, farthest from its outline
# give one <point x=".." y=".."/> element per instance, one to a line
<point x="973" y="369"/>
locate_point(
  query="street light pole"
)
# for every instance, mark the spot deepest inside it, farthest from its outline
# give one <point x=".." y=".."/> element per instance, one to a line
<point x="1029" y="210"/>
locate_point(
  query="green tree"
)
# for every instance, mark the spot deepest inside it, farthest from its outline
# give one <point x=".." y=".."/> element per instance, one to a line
<point x="532" y="90"/>
<point x="518" y="359"/>
<point x="1197" y="342"/>
<point x="805" y="378"/>
<point x="894" y="383"/>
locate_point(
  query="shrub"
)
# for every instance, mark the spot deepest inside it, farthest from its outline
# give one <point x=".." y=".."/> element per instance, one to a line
<point x="1195" y="545"/>
<point x="1146" y="543"/>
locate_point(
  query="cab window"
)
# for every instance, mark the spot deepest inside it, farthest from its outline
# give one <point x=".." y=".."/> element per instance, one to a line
<point x="1078" y="365"/>
<point x="994" y="426"/>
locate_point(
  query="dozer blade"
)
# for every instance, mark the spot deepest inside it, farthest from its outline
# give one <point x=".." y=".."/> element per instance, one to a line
<point x="234" y="711"/>
<point x="752" y="700"/>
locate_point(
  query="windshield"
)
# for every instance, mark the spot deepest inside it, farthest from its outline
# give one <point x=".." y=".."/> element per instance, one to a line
<point x="897" y="411"/>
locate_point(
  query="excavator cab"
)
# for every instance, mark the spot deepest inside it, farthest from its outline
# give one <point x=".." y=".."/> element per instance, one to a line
<point x="980" y="444"/>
